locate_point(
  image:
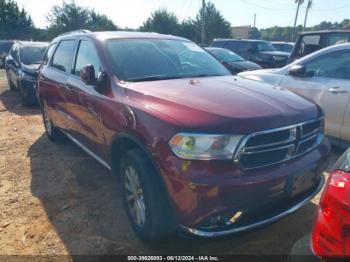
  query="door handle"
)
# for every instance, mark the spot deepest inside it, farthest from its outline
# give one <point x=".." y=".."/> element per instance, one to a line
<point x="337" y="90"/>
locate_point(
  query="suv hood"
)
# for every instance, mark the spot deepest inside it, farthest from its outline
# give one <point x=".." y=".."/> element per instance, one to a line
<point x="276" y="53"/>
<point x="221" y="104"/>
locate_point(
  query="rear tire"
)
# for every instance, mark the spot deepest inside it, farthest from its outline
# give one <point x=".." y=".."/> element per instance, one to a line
<point x="52" y="132"/>
<point x="145" y="198"/>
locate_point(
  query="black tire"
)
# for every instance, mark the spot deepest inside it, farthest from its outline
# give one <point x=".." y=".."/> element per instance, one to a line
<point x="52" y="132"/>
<point x="10" y="84"/>
<point x="25" y="100"/>
<point x="158" y="222"/>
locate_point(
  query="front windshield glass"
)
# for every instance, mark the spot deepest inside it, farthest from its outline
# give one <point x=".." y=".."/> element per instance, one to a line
<point x="158" y="59"/>
<point x="225" y="55"/>
<point x="32" y="55"/>
<point x="265" y="46"/>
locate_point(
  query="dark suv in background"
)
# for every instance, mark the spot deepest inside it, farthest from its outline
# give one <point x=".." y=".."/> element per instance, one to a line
<point x="21" y="68"/>
<point x="258" y="51"/>
<point x="196" y="147"/>
<point x="5" y="47"/>
<point x="309" y="42"/>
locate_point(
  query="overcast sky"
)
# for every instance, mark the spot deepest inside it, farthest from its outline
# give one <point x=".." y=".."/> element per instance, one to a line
<point x="132" y="13"/>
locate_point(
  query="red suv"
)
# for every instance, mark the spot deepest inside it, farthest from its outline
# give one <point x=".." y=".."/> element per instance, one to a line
<point x="196" y="148"/>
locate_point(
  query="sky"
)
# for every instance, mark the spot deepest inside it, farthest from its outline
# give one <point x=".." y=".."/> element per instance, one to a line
<point x="132" y="13"/>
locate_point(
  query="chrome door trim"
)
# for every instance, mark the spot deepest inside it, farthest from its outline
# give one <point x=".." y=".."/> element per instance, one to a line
<point x="86" y="150"/>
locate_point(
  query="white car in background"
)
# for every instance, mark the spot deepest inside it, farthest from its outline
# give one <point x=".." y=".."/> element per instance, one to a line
<point x="323" y="77"/>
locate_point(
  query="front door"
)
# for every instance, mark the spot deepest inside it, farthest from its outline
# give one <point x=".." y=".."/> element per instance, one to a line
<point x="326" y="83"/>
<point x="84" y="109"/>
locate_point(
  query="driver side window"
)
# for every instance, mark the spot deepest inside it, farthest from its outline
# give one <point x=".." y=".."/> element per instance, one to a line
<point x="87" y="55"/>
<point x="332" y="65"/>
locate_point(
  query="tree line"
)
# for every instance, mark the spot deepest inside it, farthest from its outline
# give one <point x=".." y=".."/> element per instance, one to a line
<point x="16" y="23"/>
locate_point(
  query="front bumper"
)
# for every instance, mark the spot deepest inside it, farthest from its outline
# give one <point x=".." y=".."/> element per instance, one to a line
<point x="202" y="190"/>
<point x="260" y="221"/>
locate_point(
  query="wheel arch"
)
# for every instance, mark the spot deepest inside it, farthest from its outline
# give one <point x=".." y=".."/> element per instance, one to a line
<point x="123" y="142"/>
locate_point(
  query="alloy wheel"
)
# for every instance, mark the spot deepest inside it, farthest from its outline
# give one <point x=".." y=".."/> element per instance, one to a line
<point x="134" y="196"/>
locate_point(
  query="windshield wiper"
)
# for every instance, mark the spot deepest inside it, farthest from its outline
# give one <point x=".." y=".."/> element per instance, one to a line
<point x="203" y="75"/>
<point x="153" y="78"/>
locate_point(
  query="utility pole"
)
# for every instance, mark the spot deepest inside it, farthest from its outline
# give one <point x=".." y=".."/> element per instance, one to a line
<point x="203" y="23"/>
<point x="254" y="20"/>
<point x="309" y="4"/>
<point x="299" y="2"/>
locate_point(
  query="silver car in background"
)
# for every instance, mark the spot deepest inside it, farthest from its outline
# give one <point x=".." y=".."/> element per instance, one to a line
<point x="323" y="77"/>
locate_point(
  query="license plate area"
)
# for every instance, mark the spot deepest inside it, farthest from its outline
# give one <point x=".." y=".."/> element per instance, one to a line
<point x="301" y="182"/>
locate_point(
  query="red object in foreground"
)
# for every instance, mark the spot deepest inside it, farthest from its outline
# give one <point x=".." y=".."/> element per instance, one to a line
<point x="331" y="233"/>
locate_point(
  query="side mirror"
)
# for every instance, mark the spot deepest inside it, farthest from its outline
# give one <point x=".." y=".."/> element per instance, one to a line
<point x="297" y="70"/>
<point x="87" y="75"/>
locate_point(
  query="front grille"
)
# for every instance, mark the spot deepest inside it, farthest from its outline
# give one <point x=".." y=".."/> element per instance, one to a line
<point x="279" y="145"/>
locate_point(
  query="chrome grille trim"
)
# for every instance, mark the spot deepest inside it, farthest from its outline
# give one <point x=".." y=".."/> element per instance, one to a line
<point x="296" y="139"/>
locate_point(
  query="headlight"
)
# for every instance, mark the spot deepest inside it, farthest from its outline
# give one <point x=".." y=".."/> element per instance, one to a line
<point x="204" y="147"/>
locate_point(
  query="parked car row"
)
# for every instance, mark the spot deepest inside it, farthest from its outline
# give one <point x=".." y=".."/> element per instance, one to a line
<point x="278" y="54"/>
<point x="257" y="51"/>
<point x="21" y="67"/>
<point x="196" y="148"/>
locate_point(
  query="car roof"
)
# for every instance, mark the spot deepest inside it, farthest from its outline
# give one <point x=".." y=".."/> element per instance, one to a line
<point x="215" y="48"/>
<point x="118" y="35"/>
<point x="281" y="42"/>
<point x="32" y="44"/>
<point x="239" y="40"/>
<point x="324" y="32"/>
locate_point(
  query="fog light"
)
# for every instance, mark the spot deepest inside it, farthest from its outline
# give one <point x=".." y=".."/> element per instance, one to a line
<point x="215" y="220"/>
<point x="221" y="220"/>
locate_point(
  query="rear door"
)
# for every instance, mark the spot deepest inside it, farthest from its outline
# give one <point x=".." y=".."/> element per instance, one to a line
<point x="326" y="83"/>
<point x="53" y="82"/>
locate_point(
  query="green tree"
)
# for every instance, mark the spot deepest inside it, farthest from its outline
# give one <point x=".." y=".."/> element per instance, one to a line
<point x="70" y="16"/>
<point x="162" y="21"/>
<point x="215" y="24"/>
<point x="188" y="29"/>
<point x="254" y="33"/>
<point x="14" y="23"/>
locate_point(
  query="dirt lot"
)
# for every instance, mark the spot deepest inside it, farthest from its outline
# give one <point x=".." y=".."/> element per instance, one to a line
<point x="56" y="200"/>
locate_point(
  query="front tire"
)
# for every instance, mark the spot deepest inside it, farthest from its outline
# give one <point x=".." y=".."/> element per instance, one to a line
<point x="145" y="198"/>
<point x="10" y="84"/>
<point x="25" y="100"/>
<point x="52" y="132"/>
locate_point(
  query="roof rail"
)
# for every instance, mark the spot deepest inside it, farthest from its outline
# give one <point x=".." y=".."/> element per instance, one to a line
<point x="81" y="31"/>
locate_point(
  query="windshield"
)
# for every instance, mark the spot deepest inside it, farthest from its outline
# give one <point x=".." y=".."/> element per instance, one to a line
<point x="225" y="55"/>
<point x="32" y="55"/>
<point x="5" y="47"/>
<point x="157" y="59"/>
<point x="265" y="46"/>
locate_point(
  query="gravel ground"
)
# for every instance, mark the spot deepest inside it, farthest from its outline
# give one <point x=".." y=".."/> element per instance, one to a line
<point x="56" y="200"/>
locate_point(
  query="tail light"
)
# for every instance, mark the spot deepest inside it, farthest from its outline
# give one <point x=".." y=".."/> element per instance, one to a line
<point x="331" y="233"/>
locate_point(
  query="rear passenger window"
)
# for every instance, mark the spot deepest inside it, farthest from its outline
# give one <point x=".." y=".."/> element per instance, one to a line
<point x="87" y="55"/>
<point x="49" y="53"/>
<point x="63" y="57"/>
